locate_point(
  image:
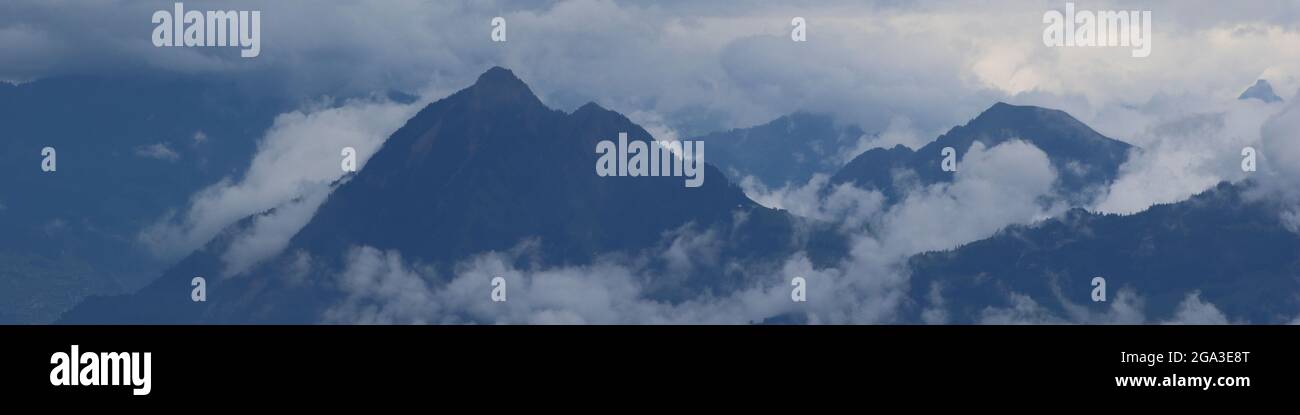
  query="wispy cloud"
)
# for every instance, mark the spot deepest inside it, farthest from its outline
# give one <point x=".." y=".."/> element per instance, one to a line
<point x="159" y="151"/>
<point x="995" y="187"/>
<point x="296" y="161"/>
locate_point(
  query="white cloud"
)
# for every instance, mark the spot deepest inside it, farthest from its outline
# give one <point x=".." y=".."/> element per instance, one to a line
<point x="1126" y="307"/>
<point x="158" y="151"/>
<point x="270" y="232"/>
<point x="1195" y="311"/>
<point x="1190" y="146"/>
<point x="845" y="204"/>
<point x="899" y="131"/>
<point x="1280" y="151"/>
<point x="935" y="311"/>
<point x="381" y="288"/>
<point x="384" y="290"/>
<point x="1291" y="219"/>
<point x="296" y="160"/>
<point x="994" y="187"/>
<point x="1023" y="310"/>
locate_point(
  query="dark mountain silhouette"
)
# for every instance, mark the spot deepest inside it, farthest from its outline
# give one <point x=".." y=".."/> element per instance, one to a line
<point x="1084" y="159"/>
<point x="1227" y="245"/>
<point x="491" y="164"/>
<point x="1262" y="91"/>
<point x="789" y="149"/>
<point x="480" y="170"/>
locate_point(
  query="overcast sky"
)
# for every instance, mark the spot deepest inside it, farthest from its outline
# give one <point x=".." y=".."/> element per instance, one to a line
<point x="697" y="65"/>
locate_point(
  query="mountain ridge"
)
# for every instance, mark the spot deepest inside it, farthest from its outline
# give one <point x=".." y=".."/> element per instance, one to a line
<point x="787" y="150"/>
<point x="1084" y="159"/>
<point x="479" y="171"/>
<point x="1211" y="245"/>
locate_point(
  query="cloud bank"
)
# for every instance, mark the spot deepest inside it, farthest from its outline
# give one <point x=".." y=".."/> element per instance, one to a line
<point x="291" y="172"/>
<point x="995" y="187"/>
<point x="702" y="67"/>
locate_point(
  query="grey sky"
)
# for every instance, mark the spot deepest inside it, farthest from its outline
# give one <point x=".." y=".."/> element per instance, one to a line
<point x="699" y="65"/>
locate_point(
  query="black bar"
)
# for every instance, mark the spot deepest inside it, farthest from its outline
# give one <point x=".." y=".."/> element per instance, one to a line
<point x="467" y="362"/>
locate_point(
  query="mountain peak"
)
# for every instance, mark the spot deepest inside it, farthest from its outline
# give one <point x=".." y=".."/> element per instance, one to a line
<point x="1003" y="109"/>
<point x="1083" y="157"/>
<point x="501" y="79"/>
<point x="1018" y="117"/>
<point x="497" y="74"/>
<point x="498" y="88"/>
<point x="1262" y="91"/>
<point x="590" y="106"/>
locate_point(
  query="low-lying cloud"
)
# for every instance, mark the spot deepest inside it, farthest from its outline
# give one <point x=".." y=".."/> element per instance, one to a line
<point x="995" y="187"/>
<point x="296" y="161"/>
<point x="1191" y="146"/>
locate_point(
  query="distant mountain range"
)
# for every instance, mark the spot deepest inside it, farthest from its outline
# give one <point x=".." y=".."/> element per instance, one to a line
<point x="789" y="149"/>
<point x="491" y="166"/>
<point x="481" y="170"/>
<point x="1226" y="245"/>
<point x="1086" y="161"/>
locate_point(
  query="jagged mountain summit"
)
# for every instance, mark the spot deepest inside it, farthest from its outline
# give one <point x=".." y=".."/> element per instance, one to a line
<point x="789" y="149"/>
<point x="1262" y="91"/>
<point x="1085" y="160"/>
